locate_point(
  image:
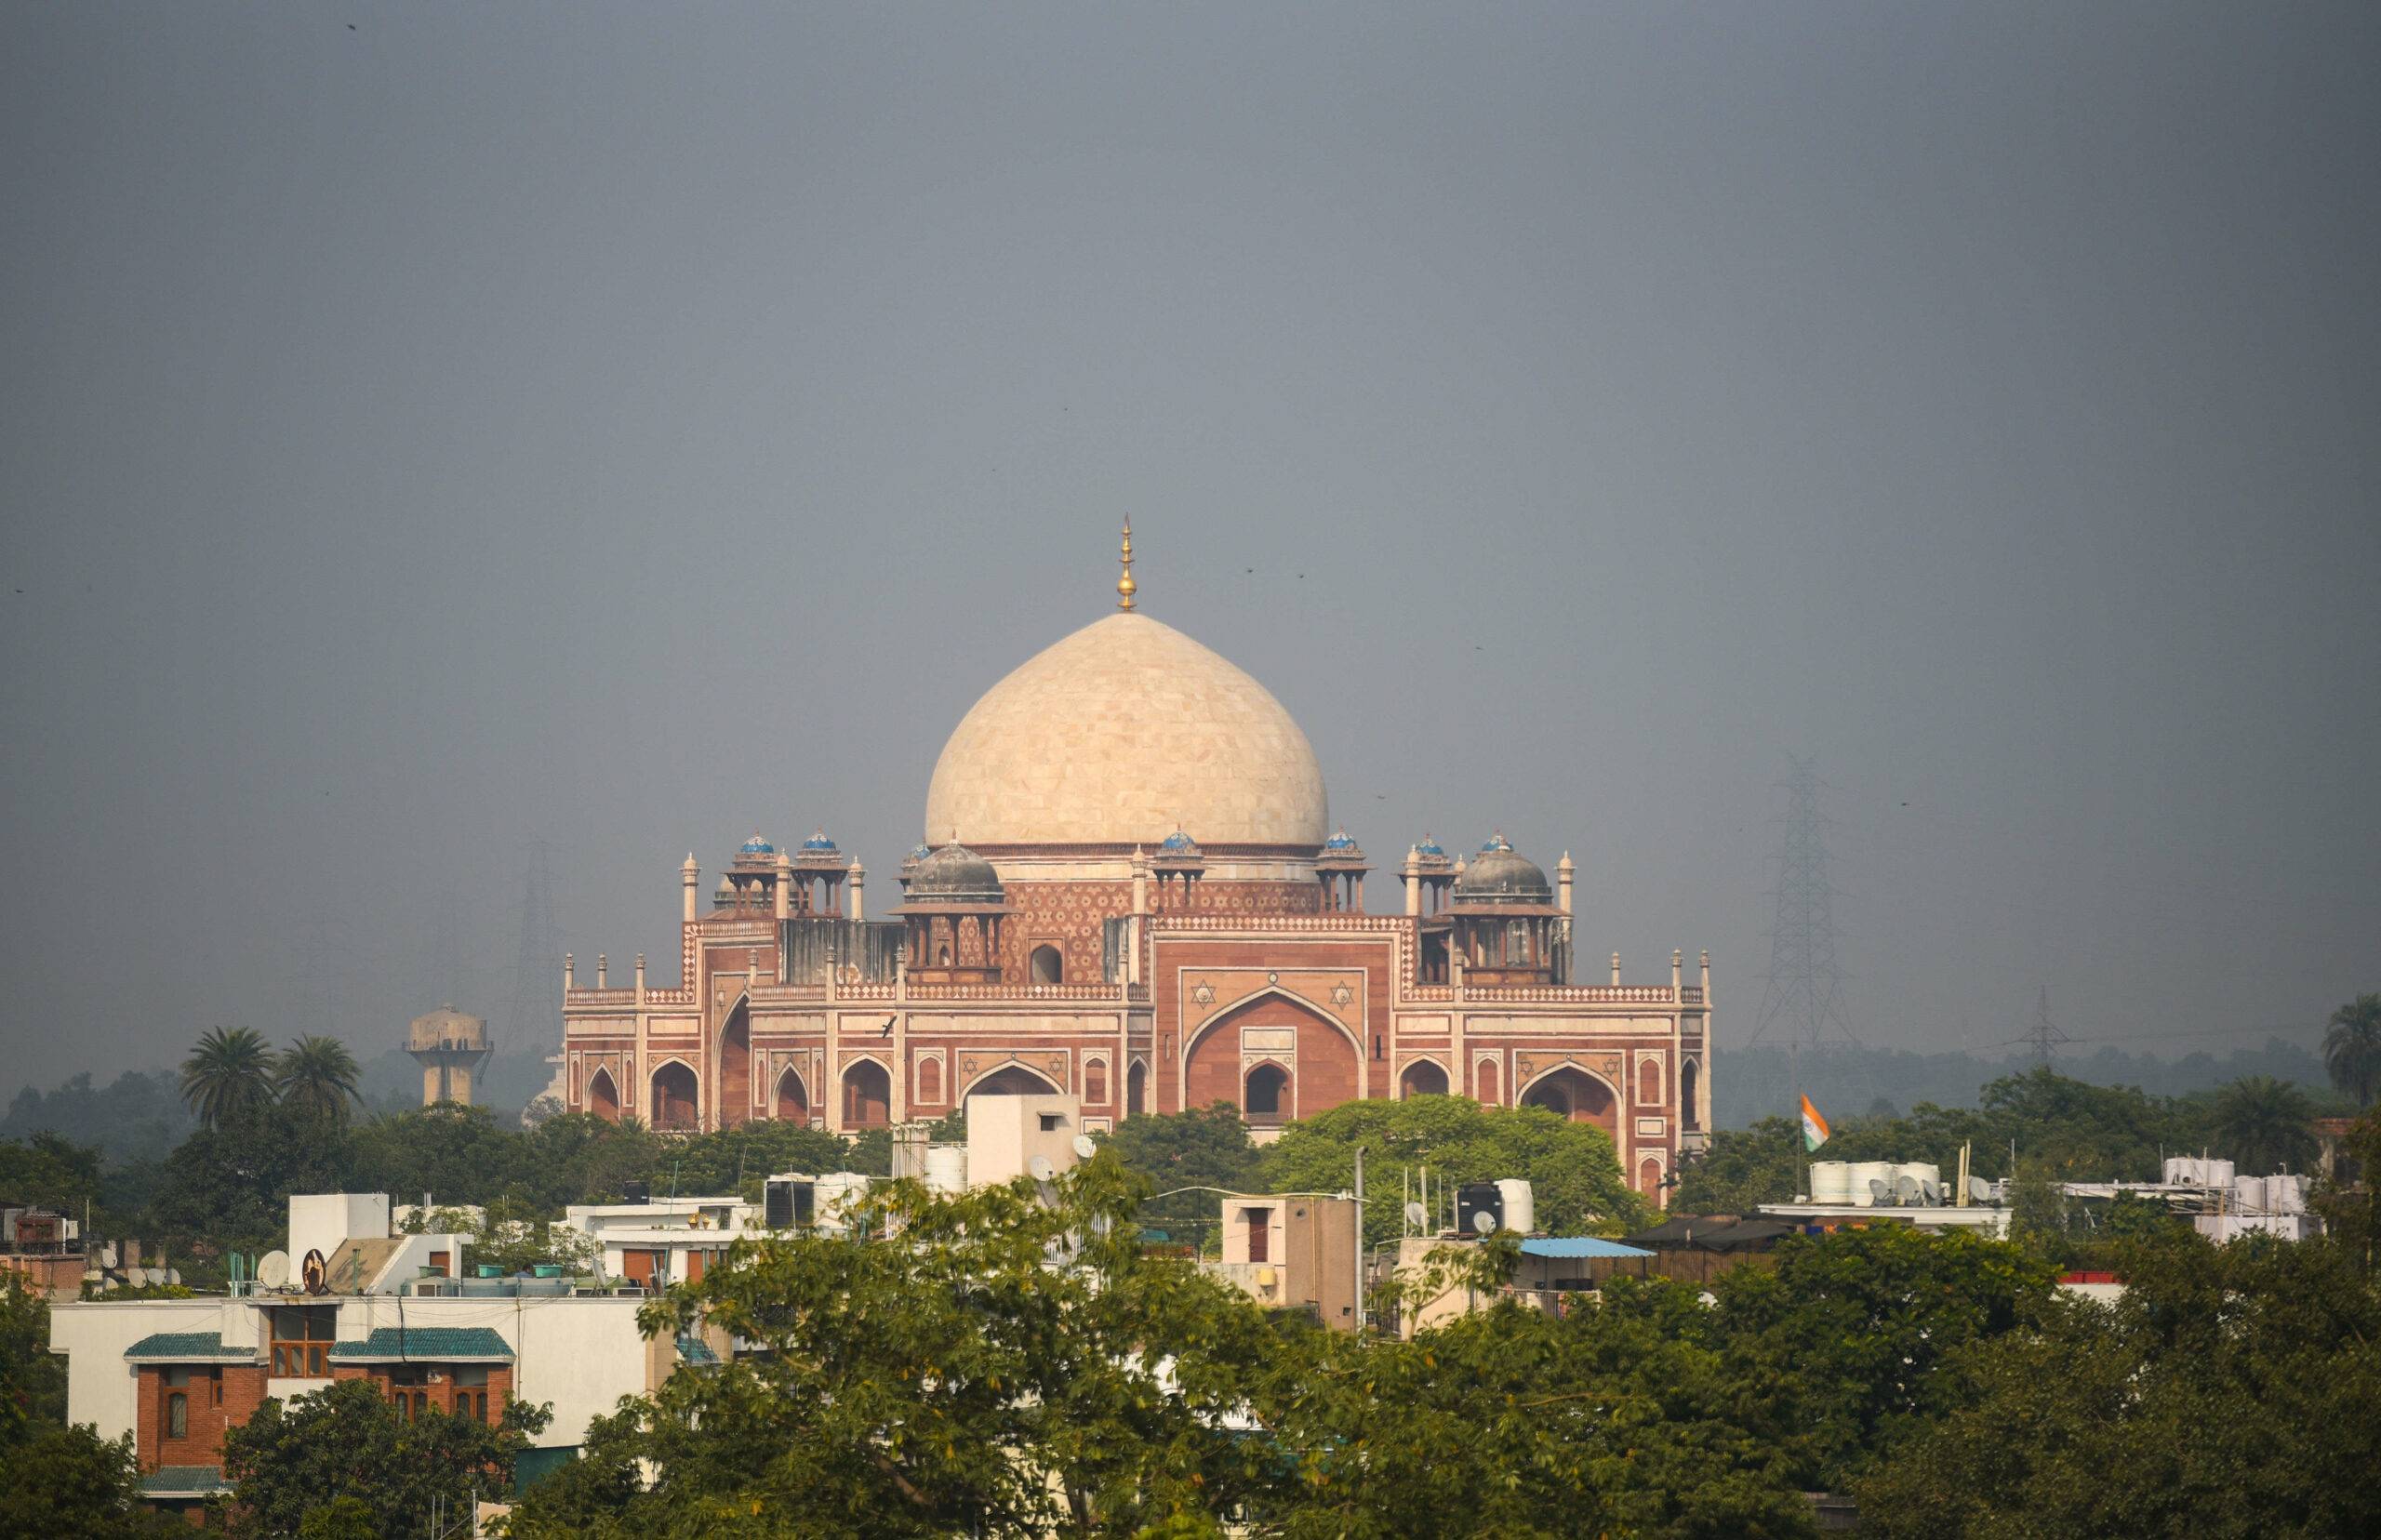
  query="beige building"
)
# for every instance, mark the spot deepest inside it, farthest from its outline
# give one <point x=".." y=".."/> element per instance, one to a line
<point x="451" y="1048"/>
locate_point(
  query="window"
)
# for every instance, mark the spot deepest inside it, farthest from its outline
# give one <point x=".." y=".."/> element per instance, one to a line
<point x="409" y="1387"/>
<point x="471" y="1391"/>
<point x="1263" y="1097"/>
<point x="177" y="1415"/>
<point x="930" y="1082"/>
<point x="1260" y="1233"/>
<point x="1048" y="966"/>
<point x="1095" y="1082"/>
<point x="301" y="1341"/>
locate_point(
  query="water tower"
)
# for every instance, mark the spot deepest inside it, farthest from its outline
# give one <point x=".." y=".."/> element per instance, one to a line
<point x="450" y="1047"/>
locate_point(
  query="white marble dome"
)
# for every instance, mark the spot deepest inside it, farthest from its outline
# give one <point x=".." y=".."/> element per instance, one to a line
<point x="1118" y="734"/>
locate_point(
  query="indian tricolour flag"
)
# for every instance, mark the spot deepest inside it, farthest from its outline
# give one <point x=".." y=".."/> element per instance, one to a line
<point x="1813" y="1127"/>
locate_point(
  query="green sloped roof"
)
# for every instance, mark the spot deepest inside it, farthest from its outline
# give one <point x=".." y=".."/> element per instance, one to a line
<point x="184" y="1481"/>
<point x="438" y="1344"/>
<point x="188" y="1348"/>
<point x="694" y="1349"/>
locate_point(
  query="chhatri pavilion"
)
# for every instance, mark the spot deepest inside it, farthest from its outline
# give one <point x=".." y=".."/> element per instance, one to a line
<point x="1145" y="920"/>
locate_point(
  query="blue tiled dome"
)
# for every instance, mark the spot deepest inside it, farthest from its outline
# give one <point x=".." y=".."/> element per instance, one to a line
<point x="1178" y="841"/>
<point x="819" y="840"/>
<point x="1428" y="847"/>
<point x="1497" y="842"/>
<point x="756" y="845"/>
<point x="921" y="853"/>
<point x="1341" y="841"/>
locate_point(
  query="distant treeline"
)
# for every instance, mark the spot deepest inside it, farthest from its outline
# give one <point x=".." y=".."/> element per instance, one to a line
<point x="1751" y="1083"/>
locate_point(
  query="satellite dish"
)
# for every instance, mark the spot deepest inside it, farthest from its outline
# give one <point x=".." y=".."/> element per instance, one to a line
<point x="1085" y="1147"/>
<point x="1906" y="1190"/>
<point x="1484" y="1222"/>
<point x="174" y="1275"/>
<point x="273" y="1271"/>
<point x="1417" y="1216"/>
<point x="316" y="1273"/>
<point x="107" y="1256"/>
<point x="1878" y="1191"/>
<point x="1040" y="1168"/>
<point x="1929" y="1193"/>
<point x="1979" y="1190"/>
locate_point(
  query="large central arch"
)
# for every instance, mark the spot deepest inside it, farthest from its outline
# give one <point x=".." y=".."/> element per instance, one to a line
<point x="794" y="1097"/>
<point x="868" y="1095"/>
<point x="1322" y="1057"/>
<point x="1577" y="1095"/>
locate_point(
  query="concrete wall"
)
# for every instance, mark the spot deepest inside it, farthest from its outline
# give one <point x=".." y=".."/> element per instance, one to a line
<point x="1005" y="1133"/>
<point x="319" y="1221"/>
<point x="102" y="1388"/>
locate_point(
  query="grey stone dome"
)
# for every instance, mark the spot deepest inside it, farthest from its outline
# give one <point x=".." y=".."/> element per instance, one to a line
<point x="955" y="875"/>
<point x="1499" y="876"/>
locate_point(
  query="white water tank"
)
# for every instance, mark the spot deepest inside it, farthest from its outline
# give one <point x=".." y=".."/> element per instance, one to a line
<point x="1924" y="1171"/>
<point x="838" y="1190"/>
<point x="1519" y="1204"/>
<point x="2286" y="1194"/>
<point x="1831" y="1182"/>
<point x="2249" y="1194"/>
<point x="946" y="1168"/>
<point x="1865" y="1172"/>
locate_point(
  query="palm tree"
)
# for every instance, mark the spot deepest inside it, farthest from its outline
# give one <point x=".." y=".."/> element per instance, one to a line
<point x="2264" y="1125"/>
<point x="317" y="1075"/>
<point x="229" y="1071"/>
<point x="2352" y="1048"/>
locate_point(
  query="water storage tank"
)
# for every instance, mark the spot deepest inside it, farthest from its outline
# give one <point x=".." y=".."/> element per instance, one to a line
<point x="1521" y="1205"/>
<point x="2249" y="1194"/>
<point x="1831" y="1182"/>
<point x="1923" y="1170"/>
<point x="2286" y="1194"/>
<point x="1865" y="1172"/>
<point x="837" y="1191"/>
<point x="2219" y="1173"/>
<point x="2177" y="1171"/>
<point x="946" y="1168"/>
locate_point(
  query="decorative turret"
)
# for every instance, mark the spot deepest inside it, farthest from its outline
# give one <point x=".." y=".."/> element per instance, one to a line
<point x="1340" y="865"/>
<point x="951" y="918"/>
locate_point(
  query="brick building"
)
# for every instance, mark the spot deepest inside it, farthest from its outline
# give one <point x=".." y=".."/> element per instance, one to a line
<point x="1130" y="893"/>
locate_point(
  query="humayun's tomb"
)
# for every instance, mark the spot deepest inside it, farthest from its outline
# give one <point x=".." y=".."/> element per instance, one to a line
<point x="1144" y="919"/>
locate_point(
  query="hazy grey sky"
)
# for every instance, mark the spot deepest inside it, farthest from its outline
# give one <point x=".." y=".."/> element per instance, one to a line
<point x="626" y="427"/>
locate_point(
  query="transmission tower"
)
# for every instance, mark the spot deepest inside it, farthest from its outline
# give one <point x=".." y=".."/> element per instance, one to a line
<point x="2044" y="1038"/>
<point x="532" y="1012"/>
<point x="1804" y="996"/>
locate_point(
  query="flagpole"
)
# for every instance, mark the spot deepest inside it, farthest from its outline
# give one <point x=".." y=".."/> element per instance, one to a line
<point x="1801" y="1138"/>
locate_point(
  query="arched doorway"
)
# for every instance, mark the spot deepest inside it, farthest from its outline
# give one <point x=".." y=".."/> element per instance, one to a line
<point x="1136" y="1089"/>
<point x="1649" y="1084"/>
<point x="1688" y="1077"/>
<point x="1485" y="1083"/>
<point x="1649" y="1179"/>
<point x="794" y="1097"/>
<point x="1048" y="967"/>
<point x="930" y="1083"/>
<point x="1318" y="1056"/>
<point x="1422" y="1078"/>
<point x="677" y="1102"/>
<point x="603" y="1096"/>
<point x="1577" y="1095"/>
<point x="1094" y="1081"/>
<point x="1265" y="1096"/>
<point x="868" y="1095"/>
<point x="1013" y="1080"/>
<point x="736" y="1067"/>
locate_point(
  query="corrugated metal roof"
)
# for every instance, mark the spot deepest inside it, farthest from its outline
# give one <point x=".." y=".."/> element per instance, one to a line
<point x="441" y="1344"/>
<point x="1571" y="1247"/>
<point x="184" y="1481"/>
<point x="188" y="1348"/>
<point x="694" y="1349"/>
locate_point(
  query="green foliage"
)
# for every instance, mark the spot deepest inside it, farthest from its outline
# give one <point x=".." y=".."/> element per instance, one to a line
<point x="2263" y="1125"/>
<point x="317" y="1075"/>
<point x="229" y="1072"/>
<point x="1846" y="1330"/>
<point x="1575" y="1178"/>
<point x="1206" y="1147"/>
<point x="948" y="1382"/>
<point x="67" y="1483"/>
<point x="2352" y="1048"/>
<point x="32" y="1379"/>
<point x="340" y="1519"/>
<point x="351" y="1441"/>
<point x="2228" y="1393"/>
<point x="138" y="1116"/>
<point x="1745" y="1168"/>
<point x="50" y="1170"/>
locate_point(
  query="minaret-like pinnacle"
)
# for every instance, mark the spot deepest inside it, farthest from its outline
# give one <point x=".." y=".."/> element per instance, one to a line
<point x="1126" y="587"/>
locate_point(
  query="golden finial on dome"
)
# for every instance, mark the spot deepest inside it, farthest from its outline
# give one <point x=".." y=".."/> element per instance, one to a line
<point x="1126" y="587"/>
